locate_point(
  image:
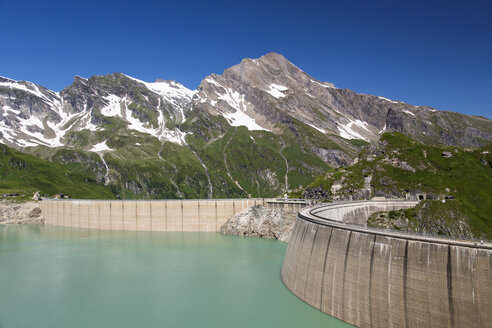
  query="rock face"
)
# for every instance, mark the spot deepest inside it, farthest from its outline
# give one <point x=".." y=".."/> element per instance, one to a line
<point x="397" y="220"/>
<point x="259" y="221"/>
<point x="316" y="193"/>
<point x="20" y="213"/>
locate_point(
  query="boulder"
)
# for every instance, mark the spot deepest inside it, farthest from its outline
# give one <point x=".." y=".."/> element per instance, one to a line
<point x="259" y="221"/>
<point x="446" y="154"/>
<point x="20" y="213"/>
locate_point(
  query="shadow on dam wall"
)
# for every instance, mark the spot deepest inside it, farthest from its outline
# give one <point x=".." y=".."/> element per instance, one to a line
<point x="373" y="278"/>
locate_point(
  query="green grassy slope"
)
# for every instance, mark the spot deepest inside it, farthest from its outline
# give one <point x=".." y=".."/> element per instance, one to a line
<point x="239" y="162"/>
<point x="25" y="174"/>
<point x="254" y="160"/>
<point x="399" y="165"/>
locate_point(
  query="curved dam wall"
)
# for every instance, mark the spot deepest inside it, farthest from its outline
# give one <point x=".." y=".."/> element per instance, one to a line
<point x="154" y="215"/>
<point x="373" y="278"/>
<point x="358" y="212"/>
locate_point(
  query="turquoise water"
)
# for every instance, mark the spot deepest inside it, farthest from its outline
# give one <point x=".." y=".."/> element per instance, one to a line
<point x="62" y="277"/>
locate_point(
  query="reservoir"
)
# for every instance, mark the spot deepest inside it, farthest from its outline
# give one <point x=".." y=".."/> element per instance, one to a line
<point x="69" y="277"/>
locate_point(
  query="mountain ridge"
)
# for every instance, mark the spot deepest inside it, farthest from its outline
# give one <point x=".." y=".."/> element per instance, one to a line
<point x="255" y="74"/>
<point x="264" y="104"/>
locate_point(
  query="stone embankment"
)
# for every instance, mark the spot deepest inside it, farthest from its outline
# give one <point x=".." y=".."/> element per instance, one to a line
<point x="20" y="213"/>
<point x="259" y="221"/>
<point x="376" y="278"/>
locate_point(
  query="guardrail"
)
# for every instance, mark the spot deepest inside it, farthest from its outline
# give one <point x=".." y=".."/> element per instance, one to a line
<point x="312" y="214"/>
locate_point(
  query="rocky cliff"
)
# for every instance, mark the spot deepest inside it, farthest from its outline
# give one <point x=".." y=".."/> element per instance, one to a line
<point x="20" y="213"/>
<point x="259" y="221"/>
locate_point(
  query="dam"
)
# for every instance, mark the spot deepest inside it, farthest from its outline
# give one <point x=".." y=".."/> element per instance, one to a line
<point x="141" y="215"/>
<point x="377" y="278"/>
<point x="154" y="215"/>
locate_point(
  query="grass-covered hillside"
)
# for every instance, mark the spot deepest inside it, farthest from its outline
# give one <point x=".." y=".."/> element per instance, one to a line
<point x="458" y="184"/>
<point x="217" y="160"/>
<point x="24" y="174"/>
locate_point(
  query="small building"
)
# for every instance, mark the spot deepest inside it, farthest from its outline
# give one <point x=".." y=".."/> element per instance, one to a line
<point x="61" y="196"/>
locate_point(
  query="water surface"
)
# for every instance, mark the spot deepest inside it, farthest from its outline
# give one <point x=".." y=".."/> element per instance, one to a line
<point x="64" y="277"/>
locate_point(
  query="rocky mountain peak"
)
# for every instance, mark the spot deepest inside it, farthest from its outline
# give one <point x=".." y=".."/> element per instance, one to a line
<point x="6" y="79"/>
<point x="296" y="128"/>
<point x="79" y="79"/>
<point x="272" y="68"/>
<point x="267" y="93"/>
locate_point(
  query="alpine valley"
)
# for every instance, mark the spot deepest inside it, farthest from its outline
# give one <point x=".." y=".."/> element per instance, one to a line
<point x="260" y="129"/>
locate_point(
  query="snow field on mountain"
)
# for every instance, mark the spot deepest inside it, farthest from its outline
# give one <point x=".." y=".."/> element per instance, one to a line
<point x="347" y="130"/>
<point x="276" y="90"/>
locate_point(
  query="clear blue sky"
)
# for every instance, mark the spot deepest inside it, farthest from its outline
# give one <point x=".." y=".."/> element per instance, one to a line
<point x="436" y="53"/>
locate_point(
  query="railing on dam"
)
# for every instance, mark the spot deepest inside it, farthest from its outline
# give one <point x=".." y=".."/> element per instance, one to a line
<point x="373" y="278"/>
<point x="145" y="215"/>
<point x="288" y="205"/>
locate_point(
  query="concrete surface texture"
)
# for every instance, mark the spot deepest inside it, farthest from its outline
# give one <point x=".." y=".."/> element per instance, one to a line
<point x="373" y="278"/>
<point x="158" y="215"/>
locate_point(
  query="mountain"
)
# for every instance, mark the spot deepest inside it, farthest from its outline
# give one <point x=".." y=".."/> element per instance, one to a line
<point x="271" y="90"/>
<point x="456" y="183"/>
<point x="23" y="175"/>
<point x="261" y="128"/>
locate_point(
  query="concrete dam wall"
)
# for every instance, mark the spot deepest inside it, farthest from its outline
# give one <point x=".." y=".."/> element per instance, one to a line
<point x="374" y="278"/>
<point x="154" y="215"/>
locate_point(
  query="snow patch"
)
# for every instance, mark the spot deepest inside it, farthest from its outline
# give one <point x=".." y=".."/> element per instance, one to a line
<point x="161" y="132"/>
<point x="24" y="143"/>
<point x="315" y="127"/>
<point x="236" y="100"/>
<point x="346" y="131"/>
<point x="276" y="90"/>
<point x="167" y="88"/>
<point x="240" y="118"/>
<point x="100" y="147"/>
<point x="33" y="89"/>
<point x="171" y="91"/>
<point x="10" y="109"/>
<point x="391" y="101"/>
<point x="202" y="100"/>
<point x="408" y="112"/>
<point x="113" y="108"/>
<point x="176" y="136"/>
<point x="212" y="81"/>
<point x="384" y="129"/>
<point x="329" y="86"/>
<point x="136" y="124"/>
<point x="86" y="124"/>
<point x="233" y="99"/>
